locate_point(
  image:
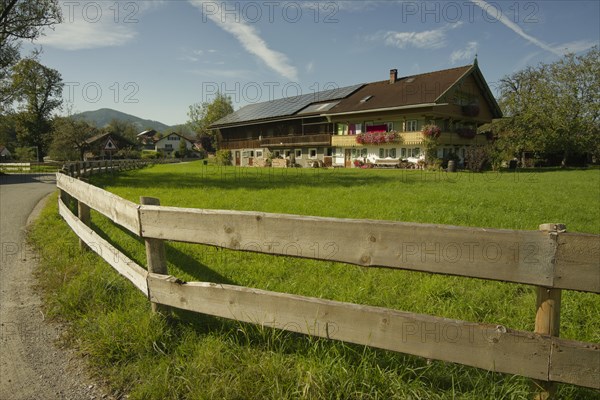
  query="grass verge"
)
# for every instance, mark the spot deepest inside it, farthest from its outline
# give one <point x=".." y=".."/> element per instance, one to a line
<point x="199" y="357"/>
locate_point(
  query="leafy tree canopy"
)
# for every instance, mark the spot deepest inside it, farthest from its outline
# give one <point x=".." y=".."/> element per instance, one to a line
<point x="553" y="107"/>
<point x="21" y="20"/>
<point x="38" y="91"/>
<point x="201" y="115"/>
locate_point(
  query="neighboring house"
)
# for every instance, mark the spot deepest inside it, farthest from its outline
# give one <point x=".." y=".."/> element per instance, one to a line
<point x="148" y="139"/>
<point x="106" y="145"/>
<point x="4" y="153"/>
<point x="171" y="143"/>
<point x="337" y="127"/>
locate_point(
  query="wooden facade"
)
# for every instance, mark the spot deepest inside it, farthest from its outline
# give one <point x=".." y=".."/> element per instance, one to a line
<point x="457" y="100"/>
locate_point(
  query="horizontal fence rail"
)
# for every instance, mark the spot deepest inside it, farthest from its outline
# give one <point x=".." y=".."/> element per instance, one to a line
<point x="530" y="257"/>
<point x="550" y="259"/>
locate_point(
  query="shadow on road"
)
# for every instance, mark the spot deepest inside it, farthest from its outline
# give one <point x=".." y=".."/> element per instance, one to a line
<point x="13" y="179"/>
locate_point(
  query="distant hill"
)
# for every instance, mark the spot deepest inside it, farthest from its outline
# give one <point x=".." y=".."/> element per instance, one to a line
<point x="103" y="116"/>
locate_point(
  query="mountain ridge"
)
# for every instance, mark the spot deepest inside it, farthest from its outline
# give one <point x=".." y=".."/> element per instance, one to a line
<point x="103" y="116"/>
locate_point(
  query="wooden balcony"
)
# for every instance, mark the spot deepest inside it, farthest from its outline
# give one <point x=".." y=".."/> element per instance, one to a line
<point x="323" y="139"/>
<point x="412" y="138"/>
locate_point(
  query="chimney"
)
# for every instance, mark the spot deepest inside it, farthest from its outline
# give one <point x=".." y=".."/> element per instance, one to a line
<point x="393" y="75"/>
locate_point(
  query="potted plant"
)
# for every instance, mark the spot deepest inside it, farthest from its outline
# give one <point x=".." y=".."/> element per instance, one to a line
<point x="377" y="137"/>
<point x="431" y="131"/>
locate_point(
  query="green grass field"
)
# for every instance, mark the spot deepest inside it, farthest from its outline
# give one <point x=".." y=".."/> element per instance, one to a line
<point x="192" y="356"/>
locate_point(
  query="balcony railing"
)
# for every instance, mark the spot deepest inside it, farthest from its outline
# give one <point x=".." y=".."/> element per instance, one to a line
<point x="323" y="139"/>
<point x="411" y="138"/>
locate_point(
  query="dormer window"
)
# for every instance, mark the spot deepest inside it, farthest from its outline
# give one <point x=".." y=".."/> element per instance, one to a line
<point x="365" y="99"/>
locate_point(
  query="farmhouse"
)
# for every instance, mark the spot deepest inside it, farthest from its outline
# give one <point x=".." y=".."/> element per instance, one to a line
<point x="172" y="142"/>
<point x="380" y="122"/>
<point x="106" y="145"/>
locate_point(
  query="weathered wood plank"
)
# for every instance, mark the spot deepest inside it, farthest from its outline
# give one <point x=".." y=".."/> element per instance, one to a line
<point x="575" y="362"/>
<point x="578" y="262"/>
<point x="119" y="261"/>
<point x="505" y="255"/>
<point x="119" y="210"/>
<point x="490" y="347"/>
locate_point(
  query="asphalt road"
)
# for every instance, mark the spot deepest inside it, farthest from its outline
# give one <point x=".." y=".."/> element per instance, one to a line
<point x="32" y="366"/>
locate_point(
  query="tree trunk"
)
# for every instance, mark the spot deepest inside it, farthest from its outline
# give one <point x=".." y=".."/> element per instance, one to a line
<point x="563" y="163"/>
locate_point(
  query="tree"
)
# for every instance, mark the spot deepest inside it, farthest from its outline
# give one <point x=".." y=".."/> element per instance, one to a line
<point x="38" y="89"/>
<point x="69" y="138"/>
<point x="553" y="108"/>
<point x="8" y="131"/>
<point x="21" y="20"/>
<point x="183" y="150"/>
<point x="124" y="128"/>
<point x="202" y="115"/>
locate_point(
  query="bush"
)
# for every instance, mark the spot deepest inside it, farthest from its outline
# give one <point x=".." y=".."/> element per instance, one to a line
<point x="477" y="158"/>
<point x="25" y="154"/>
<point x="223" y="157"/>
<point x="150" y="154"/>
<point x="128" y="154"/>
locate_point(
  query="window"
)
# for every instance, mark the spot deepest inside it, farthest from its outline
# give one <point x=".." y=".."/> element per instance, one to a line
<point x="403" y="152"/>
<point x="363" y="152"/>
<point x="381" y="153"/>
<point x="298" y="153"/>
<point x="168" y="147"/>
<point x="392" y="153"/>
<point x="276" y="154"/>
<point x="329" y="152"/>
<point x="173" y="137"/>
<point x="411" y="125"/>
<point x="342" y="129"/>
<point x="259" y="154"/>
<point x="416" y="152"/>
<point x="312" y="153"/>
<point x="390" y="126"/>
<point x="287" y="153"/>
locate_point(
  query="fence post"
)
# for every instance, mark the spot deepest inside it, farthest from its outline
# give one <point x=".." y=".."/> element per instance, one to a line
<point x="155" y="251"/>
<point x="547" y="317"/>
<point x="83" y="212"/>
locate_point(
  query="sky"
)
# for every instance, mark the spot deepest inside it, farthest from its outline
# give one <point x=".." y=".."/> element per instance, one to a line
<point x="154" y="59"/>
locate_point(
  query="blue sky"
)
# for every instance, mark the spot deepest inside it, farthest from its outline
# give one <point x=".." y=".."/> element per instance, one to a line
<point x="155" y="58"/>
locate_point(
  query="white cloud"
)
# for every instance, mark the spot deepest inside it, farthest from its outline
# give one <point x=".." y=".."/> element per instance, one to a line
<point x="80" y="34"/>
<point x="575" y="46"/>
<point x="310" y="67"/>
<point x="559" y="50"/>
<point x="468" y="53"/>
<point x="250" y="39"/>
<point x="432" y="39"/>
<point x="96" y="24"/>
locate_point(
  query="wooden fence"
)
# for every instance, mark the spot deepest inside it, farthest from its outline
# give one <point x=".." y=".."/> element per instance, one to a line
<point x="550" y="259"/>
<point x="78" y="169"/>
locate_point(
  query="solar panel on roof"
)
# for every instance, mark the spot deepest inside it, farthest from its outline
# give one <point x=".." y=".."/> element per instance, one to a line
<point x="285" y="106"/>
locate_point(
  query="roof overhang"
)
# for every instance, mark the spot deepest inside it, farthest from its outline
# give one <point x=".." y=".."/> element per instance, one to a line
<point x="397" y="108"/>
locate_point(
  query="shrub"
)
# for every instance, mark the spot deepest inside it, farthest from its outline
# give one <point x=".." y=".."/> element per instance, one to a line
<point x="477" y="158"/>
<point x="223" y="157"/>
<point x="150" y="154"/>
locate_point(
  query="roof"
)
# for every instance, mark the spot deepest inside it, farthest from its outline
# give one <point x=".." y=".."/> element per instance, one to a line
<point x="189" y="139"/>
<point x="115" y="136"/>
<point x="284" y="107"/>
<point x="406" y="91"/>
<point x="409" y="91"/>
<point x="149" y="132"/>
